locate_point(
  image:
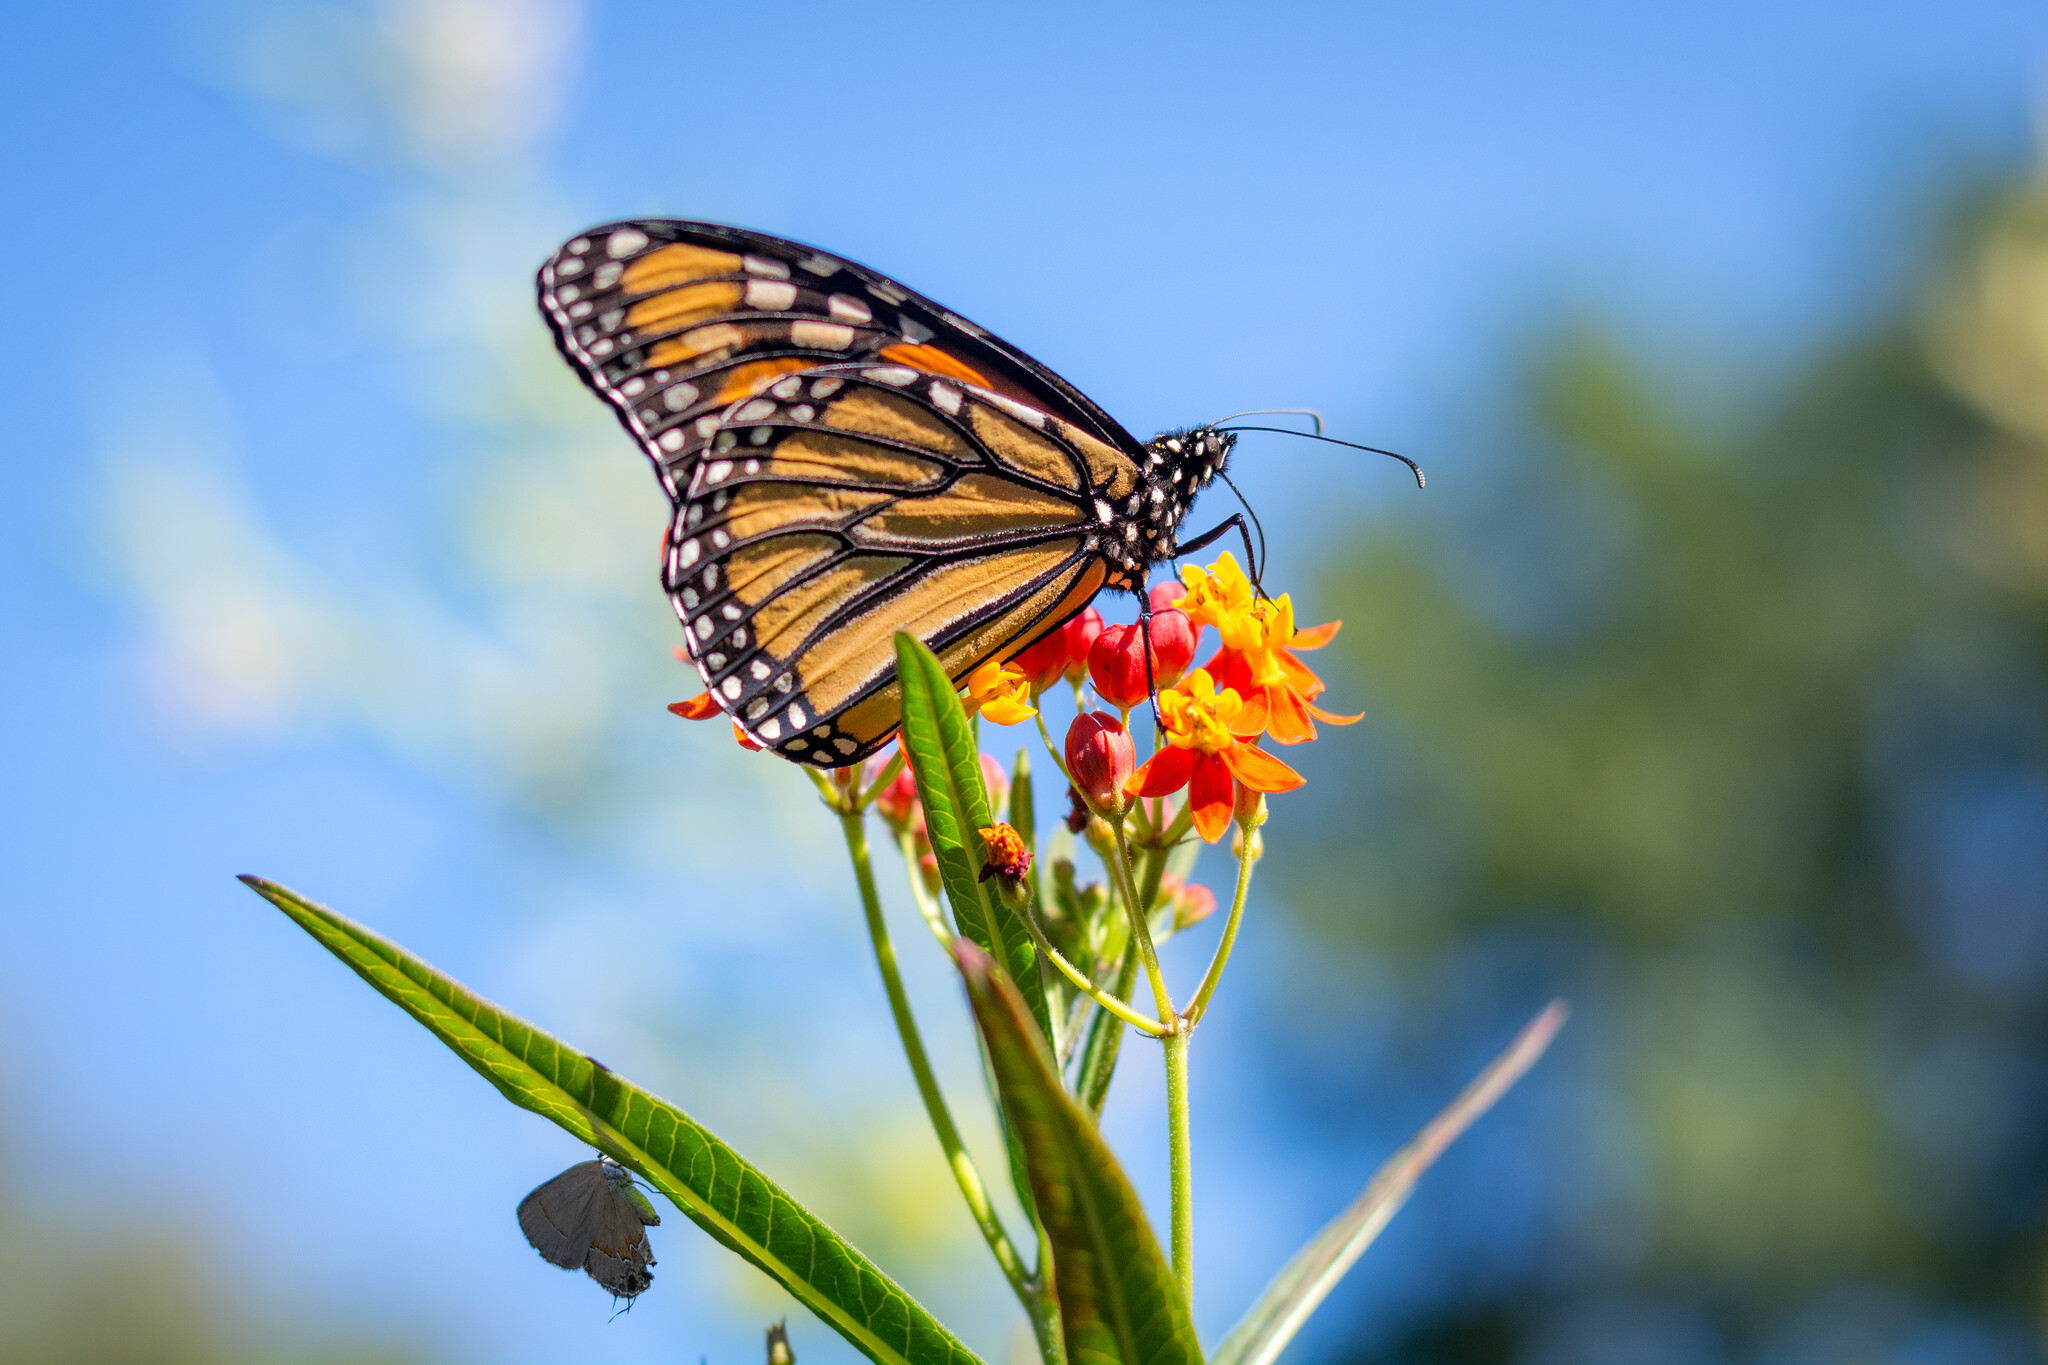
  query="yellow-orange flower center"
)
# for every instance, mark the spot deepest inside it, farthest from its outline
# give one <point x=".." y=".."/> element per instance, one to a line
<point x="1197" y="716"/>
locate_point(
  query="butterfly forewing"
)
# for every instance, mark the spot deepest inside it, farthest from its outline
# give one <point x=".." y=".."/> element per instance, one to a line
<point x="672" y="322"/>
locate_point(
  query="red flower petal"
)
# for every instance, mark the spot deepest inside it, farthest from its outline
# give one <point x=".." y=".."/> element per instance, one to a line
<point x="1164" y="773"/>
<point x="1211" y="795"/>
<point x="703" y="706"/>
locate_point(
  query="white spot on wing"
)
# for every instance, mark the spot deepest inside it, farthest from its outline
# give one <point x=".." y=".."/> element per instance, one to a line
<point x="1028" y="416"/>
<point x="679" y="396"/>
<point x="946" y="398"/>
<point x="771" y="295"/>
<point x="894" y="374"/>
<point x="848" y="309"/>
<point x="829" y="336"/>
<point x="761" y="265"/>
<point x="753" y="411"/>
<point x="625" y="242"/>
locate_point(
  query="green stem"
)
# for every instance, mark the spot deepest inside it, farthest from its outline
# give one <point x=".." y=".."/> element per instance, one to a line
<point x="1105" y="1041"/>
<point x="927" y="906"/>
<point x="1083" y="984"/>
<point x="1180" y="1158"/>
<point x="881" y="782"/>
<point x="1051" y="748"/>
<point x="964" y="1172"/>
<point x="1196" y="1007"/>
<point x="1141" y="931"/>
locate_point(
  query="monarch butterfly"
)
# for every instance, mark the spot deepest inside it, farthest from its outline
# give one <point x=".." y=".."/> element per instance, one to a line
<point x="847" y="459"/>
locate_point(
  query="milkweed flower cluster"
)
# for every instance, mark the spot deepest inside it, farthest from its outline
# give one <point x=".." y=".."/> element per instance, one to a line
<point x="1214" y="719"/>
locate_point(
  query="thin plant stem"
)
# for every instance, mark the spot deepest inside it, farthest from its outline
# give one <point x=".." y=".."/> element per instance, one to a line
<point x="1141" y="932"/>
<point x="1196" y="1007"/>
<point x="881" y="782"/>
<point x="1086" y="986"/>
<point x="964" y="1172"/>
<point x="927" y="906"/>
<point x="1050" y="747"/>
<point x="1106" y="1040"/>
<point x="1180" y="1163"/>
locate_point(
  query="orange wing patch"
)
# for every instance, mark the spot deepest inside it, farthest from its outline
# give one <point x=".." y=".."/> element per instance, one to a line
<point x="932" y="360"/>
<point x="677" y="264"/>
<point x="681" y="307"/>
<point x="745" y="381"/>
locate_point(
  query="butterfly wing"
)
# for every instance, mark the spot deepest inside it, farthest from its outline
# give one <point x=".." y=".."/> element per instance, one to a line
<point x="846" y="503"/>
<point x="617" y="1254"/>
<point x="556" y="1216"/>
<point x="673" y="322"/>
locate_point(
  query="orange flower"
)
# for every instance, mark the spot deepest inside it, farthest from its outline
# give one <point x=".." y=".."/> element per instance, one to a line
<point x="1207" y="752"/>
<point x="1257" y="660"/>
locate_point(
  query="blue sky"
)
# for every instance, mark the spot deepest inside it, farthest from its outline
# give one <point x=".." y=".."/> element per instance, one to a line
<point x="315" y="565"/>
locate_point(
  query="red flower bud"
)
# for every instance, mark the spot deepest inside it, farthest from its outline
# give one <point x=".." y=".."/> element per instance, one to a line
<point x="1063" y="653"/>
<point x="1167" y="594"/>
<point x="1173" y="645"/>
<point x="1116" y="665"/>
<point x="1100" y="756"/>
<point x="1044" y="662"/>
<point x="1081" y="633"/>
<point x="898" y="801"/>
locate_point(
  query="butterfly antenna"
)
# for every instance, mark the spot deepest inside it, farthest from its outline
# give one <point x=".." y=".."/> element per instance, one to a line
<point x="1258" y="569"/>
<point x="1413" y="467"/>
<point x="1275" y="412"/>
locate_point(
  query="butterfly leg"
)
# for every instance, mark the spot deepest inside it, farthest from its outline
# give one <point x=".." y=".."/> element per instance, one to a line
<point x="1209" y="537"/>
<point x="1151" y="683"/>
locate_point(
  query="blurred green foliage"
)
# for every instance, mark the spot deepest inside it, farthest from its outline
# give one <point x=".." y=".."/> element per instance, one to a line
<point x="84" y="1283"/>
<point x="1732" y="717"/>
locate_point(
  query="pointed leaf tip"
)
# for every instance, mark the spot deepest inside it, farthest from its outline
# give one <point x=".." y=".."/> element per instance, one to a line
<point x="722" y="1193"/>
<point x="1305" y="1281"/>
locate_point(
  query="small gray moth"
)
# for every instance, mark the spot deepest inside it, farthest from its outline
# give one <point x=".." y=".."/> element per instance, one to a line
<point x="590" y="1218"/>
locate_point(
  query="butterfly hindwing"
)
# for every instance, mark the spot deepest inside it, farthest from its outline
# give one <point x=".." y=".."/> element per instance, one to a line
<point x="843" y="504"/>
<point x="673" y="322"/>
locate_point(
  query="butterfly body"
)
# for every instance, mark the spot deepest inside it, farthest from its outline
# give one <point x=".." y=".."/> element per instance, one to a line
<point x="846" y="459"/>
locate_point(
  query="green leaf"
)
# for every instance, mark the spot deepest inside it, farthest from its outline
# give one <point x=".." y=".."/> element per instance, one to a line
<point x="947" y="764"/>
<point x="708" y="1181"/>
<point x="1315" y="1270"/>
<point x="1119" y="1301"/>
